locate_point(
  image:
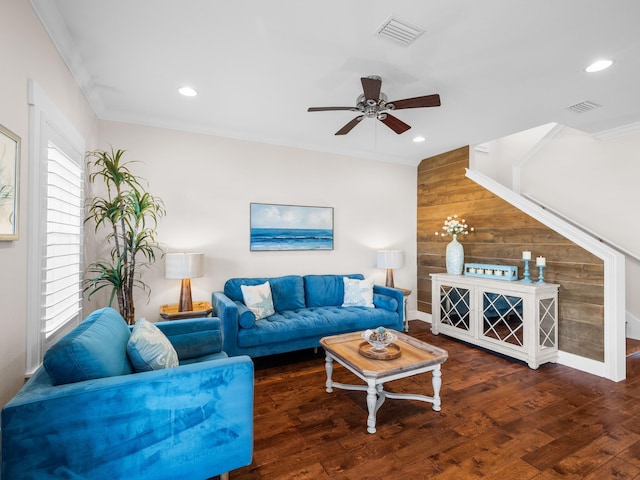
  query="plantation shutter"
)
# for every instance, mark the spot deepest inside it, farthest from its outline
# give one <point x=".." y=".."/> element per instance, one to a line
<point x="62" y="289"/>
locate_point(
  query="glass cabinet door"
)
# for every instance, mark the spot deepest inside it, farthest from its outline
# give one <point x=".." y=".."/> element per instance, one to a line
<point x="455" y="308"/>
<point x="547" y="322"/>
<point x="502" y="318"/>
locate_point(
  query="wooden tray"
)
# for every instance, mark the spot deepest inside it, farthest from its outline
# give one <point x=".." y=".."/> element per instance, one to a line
<point x="200" y="309"/>
<point x="366" y="350"/>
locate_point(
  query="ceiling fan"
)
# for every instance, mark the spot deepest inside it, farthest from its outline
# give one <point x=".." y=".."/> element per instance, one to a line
<point x="373" y="104"/>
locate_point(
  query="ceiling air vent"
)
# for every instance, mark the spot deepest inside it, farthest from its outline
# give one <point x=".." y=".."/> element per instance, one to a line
<point x="399" y="31"/>
<point x="583" y="107"/>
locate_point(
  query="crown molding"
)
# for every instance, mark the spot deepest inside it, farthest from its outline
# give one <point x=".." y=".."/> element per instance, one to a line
<point x="618" y="131"/>
<point x="58" y="32"/>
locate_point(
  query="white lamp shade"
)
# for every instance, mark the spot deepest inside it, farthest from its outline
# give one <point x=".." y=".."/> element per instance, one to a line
<point x="184" y="265"/>
<point x="390" y="259"/>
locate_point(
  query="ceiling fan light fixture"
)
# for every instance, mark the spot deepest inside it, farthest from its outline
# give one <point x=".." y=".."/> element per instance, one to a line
<point x="598" y="66"/>
<point x="372" y="103"/>
<point x="187" y="91"/>
<point x="418" y="139"/>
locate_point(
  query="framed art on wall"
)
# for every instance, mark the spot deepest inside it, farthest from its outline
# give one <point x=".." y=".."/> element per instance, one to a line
<point x="9" y="182"/>
<point x="290" y="227"/>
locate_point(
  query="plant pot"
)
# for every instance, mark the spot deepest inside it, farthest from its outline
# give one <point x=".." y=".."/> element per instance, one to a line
<point x="455" y="257"/>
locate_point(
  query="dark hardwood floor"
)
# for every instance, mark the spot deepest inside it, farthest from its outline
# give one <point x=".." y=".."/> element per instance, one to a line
<point x="499" y="420"/>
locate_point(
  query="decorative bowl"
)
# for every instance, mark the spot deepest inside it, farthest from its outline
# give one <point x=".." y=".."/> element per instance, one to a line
<point x="379" y="338"/>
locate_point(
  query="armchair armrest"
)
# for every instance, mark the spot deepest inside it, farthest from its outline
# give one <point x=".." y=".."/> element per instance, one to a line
<point x="193" y="338"/>
<point x="192" y="421"/>
<point x="227" y="311"/>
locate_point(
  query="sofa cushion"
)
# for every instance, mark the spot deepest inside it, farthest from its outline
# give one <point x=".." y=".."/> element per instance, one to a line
<point x="358" y="293"/>
<point x="293" y="325"/>
<point x="287" y="292"/>
<point x="258" y="299"/>
<point x="325" y="290"/>
<point x="149" y="349"/>
<point x="96" y="348"/>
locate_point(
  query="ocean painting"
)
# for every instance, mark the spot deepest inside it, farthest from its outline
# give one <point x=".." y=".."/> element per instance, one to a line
<point x="291" y="227"/>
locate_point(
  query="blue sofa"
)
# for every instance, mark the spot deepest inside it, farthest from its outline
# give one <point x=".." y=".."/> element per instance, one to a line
<point x="85" y="414"/>
<point x="307" y="308"/>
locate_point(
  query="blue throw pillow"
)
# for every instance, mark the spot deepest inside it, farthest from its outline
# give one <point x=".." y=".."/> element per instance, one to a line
<point x="288" y="293"/>
<point x="149" y="349"/>
<point x="326" y="290"/>
<point x="96" y="348"/>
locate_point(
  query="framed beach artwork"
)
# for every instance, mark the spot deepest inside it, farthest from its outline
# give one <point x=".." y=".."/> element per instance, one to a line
<point x="9" y="178"/>
<point x="290" y="227"/>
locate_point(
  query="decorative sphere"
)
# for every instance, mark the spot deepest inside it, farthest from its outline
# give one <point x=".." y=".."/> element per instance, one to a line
<point x="379" y="338"/>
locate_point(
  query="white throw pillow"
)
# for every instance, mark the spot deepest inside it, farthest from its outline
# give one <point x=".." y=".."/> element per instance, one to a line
<point x="258" y="299"/>
<point x="358" y="293"/>
<point x="149" y="349"/>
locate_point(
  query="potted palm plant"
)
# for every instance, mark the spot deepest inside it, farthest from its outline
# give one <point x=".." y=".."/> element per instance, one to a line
<point x="130" y="215"/>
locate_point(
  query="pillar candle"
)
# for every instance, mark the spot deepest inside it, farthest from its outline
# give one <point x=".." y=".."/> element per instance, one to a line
<point x="526" y="255"/>
<point x="541" y="262"/>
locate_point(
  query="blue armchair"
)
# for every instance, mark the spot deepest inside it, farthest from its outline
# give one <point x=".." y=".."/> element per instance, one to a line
<point x="193" y="421"/>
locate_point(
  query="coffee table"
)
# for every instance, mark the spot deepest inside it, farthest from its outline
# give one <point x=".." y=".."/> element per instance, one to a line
<point x="415" y="357"/>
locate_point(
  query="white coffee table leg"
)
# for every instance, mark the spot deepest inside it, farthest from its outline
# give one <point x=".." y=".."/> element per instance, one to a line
<point x="328" y="366"/>
<point x="372" y="400"/>
<point x="436" y="380"/>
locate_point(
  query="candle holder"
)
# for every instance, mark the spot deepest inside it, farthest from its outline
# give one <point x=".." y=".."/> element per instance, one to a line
<point x="527" y="276"/>
<point x="540" y="276"/>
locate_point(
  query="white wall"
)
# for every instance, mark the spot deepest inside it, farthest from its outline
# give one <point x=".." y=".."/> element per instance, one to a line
<point x="593" y="182"/>
<point x="207" y="184"/>
<point x="504" y="155"/>
<point x="27" y="52"/>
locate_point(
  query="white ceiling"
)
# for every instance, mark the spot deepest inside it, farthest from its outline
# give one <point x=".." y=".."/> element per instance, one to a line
<point x="500" y="66"/>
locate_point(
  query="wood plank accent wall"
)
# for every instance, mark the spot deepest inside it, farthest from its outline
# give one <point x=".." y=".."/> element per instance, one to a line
<point x="502" y="233"/>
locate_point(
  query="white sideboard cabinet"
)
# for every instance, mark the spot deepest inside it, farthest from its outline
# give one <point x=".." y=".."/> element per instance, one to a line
<point x="516" y="319"/>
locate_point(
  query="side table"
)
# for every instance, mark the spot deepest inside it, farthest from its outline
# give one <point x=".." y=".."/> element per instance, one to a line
<point x="200" y="309"/>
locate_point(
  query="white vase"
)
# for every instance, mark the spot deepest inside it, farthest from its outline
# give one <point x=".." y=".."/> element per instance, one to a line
<point x="455" y="257"/>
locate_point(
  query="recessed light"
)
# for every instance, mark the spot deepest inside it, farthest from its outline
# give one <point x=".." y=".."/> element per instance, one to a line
<point x="418" y="139"/>
<point x="598" y="66"/>
<point x="187" y="91"/>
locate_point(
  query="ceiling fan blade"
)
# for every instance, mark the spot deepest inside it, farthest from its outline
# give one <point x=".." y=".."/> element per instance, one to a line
<point x="395" y="124"/>
<point x="371" y="88"/>
<point x="349" y="126"/>
<point x="327" y="109"/>
<point x="417" y="102"/>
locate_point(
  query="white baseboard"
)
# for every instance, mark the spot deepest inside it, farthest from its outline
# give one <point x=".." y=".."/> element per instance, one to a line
<point x="417" y="315"/>
<point x="581" y="363"/>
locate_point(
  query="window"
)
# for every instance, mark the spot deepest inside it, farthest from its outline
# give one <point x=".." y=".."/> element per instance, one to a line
<point x="56" y="215"/>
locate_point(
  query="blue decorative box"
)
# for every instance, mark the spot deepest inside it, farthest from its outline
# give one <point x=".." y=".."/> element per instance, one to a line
<point x="497" y="272"/>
